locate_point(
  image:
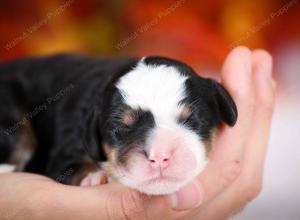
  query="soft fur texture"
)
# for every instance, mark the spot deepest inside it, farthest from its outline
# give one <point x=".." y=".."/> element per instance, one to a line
<point x="147" y="123"/>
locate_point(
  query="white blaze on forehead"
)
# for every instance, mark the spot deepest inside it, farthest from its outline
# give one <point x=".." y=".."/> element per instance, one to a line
<point x="155" y="88"/>
<point x="160" y="89"/>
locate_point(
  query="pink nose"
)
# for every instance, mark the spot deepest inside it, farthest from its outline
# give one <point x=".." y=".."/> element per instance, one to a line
<point x="159" y="159"/>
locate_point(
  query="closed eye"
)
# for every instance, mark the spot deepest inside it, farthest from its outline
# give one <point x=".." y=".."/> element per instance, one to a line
<point x="135" y="119"/>
<point x="185" y="114"/>
<point x="184" y="120"/>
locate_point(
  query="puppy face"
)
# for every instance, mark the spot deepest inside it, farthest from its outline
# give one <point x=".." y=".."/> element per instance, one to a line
<point x="158" y="125"/>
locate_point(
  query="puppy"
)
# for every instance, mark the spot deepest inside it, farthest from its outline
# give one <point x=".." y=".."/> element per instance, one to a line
<point x="147" y="123"/>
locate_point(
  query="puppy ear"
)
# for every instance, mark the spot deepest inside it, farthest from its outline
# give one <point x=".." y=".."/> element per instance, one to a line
<point x="226" y="105"/>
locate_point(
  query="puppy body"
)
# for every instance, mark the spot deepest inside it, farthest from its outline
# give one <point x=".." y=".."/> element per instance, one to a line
<point x="147" y="121"/>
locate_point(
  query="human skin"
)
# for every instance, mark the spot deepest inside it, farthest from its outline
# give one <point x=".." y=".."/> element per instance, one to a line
<point x="233" y="176"/>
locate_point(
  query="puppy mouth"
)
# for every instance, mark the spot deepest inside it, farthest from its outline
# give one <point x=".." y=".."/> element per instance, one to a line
<point x="161" y="185"/>
<point x="163" y="178"/>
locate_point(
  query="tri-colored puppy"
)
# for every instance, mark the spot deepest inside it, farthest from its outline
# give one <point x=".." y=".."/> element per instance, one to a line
<point x="146" y="123"/>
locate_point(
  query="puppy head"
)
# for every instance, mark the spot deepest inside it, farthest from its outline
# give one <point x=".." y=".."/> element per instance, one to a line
<point x="158" y="124"/>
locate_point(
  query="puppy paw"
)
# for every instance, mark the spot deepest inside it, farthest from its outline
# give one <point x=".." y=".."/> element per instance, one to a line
<point x="95" y="178"/>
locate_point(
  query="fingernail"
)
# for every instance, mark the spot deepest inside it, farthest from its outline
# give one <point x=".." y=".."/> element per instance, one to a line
<point x="264" y="61"/>
<point x="186" y="198"/>
<point x="267" y="67"/>
<point x="274" y="83"/>
<point x="248" y="61"/>
<point x="246" y="56"/>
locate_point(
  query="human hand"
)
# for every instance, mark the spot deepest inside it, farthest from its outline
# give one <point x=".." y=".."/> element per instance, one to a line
<point x="35" y="197"/>
<point x="234" y="174"/>
<point x="232" y="177"/>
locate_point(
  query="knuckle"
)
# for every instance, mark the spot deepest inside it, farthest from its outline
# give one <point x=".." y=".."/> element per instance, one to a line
<point x="251" y="190"/>
<point x="266" y="106"/>
<point x="245" y="101"/>
<point x="230" y="172"/>
<point x="133" y="206"/>
<point x="266" y="99"/>
<point x="129" y="206"/>
<point x="241" y="94"/>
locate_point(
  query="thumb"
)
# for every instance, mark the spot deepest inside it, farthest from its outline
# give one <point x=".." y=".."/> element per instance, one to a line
<point x="120" y="202"/>
<point x="110" y="201"/>
<point x="188" y="197"/>
<point x="126" y="203"/>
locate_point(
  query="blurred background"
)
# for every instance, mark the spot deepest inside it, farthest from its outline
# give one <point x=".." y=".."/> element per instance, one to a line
<point x="199" y="33"/>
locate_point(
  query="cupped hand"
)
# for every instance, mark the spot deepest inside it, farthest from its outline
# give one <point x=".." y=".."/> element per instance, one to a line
<point x="233" y="176"/>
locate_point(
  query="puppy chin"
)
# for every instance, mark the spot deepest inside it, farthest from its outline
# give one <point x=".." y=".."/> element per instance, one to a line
<point x="162" y="187"/>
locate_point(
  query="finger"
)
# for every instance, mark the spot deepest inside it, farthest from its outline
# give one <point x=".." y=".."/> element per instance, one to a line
<point x="224" y="164"/>
<point x="248" y="184"/>
<point x="130" y="204"/>
<point x="225" y="160"/>
<point x="189" y="196"/>
<point x="110" y="201"/>
<point x="237" y="78"/>
<point x="264" y="105"/>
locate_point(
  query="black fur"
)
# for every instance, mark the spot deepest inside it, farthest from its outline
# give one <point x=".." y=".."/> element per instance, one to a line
<point x="73" y="106"/>
<point x="209" y="101"/>
<point x="70" y="125"/>
<point x="119" y="135"/>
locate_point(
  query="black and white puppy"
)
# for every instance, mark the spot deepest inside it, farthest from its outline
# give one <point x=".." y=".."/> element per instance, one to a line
<point x="147" y="123"/>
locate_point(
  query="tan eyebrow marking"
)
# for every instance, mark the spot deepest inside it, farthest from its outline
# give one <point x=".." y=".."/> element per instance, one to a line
<point x="129" y="117"/>
<point x="185" y="113"/>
